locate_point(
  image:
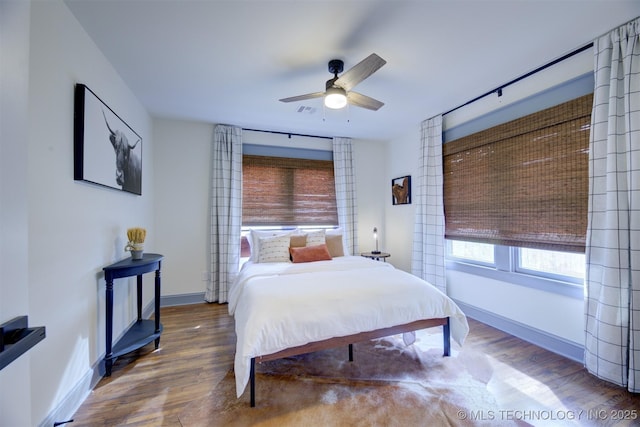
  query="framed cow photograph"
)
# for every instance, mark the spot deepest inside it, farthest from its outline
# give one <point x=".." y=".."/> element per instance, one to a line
<point x="107" y="151"/>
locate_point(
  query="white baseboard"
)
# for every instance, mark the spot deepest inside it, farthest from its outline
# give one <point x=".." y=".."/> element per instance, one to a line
<point x="535" y="336"/>
<point x="184" y="299"/>
<point x="72" y="401"/>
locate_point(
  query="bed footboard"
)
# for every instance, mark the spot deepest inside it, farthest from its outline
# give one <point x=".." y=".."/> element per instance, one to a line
<point x="349" y="340"/>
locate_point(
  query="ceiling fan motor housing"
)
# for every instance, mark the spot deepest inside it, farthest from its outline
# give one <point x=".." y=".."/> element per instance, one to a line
<point x="336" y="66"/>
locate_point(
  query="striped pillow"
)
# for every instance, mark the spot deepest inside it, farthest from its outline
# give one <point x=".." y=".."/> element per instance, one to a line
<point x="256" y="235"/>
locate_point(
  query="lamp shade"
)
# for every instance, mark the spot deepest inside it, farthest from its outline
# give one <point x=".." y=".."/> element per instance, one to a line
<point x="335" y="98"/>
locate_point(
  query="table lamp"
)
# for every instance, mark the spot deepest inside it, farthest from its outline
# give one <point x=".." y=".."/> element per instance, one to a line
<point x="375" y="237"/>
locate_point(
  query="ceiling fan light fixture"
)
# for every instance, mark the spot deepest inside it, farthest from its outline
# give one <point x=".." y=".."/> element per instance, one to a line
<point x="338" y="90"/>
<point x="335" y="98"/>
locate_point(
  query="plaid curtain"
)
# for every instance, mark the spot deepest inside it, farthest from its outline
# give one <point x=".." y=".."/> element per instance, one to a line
<point x="344" y="172"/>
<point x="612" y="305"/>
<point x="226" y="211"/>
<point x="427" y="260"/>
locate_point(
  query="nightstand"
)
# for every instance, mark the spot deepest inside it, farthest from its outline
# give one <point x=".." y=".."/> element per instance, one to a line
<point x="377" y="256"/>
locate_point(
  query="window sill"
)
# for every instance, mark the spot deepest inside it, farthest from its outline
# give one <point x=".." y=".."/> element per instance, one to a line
<point x="567" y="289"/>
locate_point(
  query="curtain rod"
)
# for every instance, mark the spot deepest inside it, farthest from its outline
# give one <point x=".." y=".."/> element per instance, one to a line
<point x="289" y="134"/>
<point x="530" y="73"/>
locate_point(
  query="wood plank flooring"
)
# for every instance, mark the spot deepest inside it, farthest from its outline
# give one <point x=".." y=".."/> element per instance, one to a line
<point x="152" y="387"/>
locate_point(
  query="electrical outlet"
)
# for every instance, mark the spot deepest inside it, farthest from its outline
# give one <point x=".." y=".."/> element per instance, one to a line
<point x="205" y="276"/>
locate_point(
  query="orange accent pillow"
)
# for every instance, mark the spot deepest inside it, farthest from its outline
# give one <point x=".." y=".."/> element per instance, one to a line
<point x="310" y="253"/>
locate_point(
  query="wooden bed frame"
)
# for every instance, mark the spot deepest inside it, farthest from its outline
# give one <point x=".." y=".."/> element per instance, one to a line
<point x="349" y="340"/>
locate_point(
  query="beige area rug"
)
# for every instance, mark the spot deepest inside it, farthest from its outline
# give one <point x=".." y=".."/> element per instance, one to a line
<point x="387" y="384"/>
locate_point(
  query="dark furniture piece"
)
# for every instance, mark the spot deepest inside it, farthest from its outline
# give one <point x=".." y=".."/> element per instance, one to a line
<point x="376" y="255"/>
<point x="143" y="331"/>
<point x="16" y="338"/>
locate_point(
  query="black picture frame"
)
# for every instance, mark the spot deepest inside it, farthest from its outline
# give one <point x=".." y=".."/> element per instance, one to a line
<point x="401" y="190"/>
<point x="107" y="151"/>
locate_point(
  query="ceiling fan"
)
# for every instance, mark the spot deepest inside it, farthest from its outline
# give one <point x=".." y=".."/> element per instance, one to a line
<point x="338" y="89"/>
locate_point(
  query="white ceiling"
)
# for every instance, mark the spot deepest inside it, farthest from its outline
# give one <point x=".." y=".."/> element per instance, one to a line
<point x="230" y="61"/>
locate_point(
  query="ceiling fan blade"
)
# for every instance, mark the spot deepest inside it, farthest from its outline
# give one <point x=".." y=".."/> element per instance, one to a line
<point x="360" y="71"/>
<point x="364" y="101"/>
<point x="303" y="97"/>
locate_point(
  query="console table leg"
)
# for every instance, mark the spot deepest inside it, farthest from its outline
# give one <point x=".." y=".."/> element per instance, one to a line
<point x="108" y="362"/>
<point x="157" y="303"/>
<point x="139" y="292"/>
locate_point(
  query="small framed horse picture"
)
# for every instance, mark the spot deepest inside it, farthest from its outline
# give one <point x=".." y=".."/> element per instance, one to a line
<point x="401" y="190"/>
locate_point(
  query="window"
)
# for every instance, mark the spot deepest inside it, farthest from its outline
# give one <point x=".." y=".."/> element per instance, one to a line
<point x="280" y="191"/>
<point x="481" y="253"/>
<point x="290" y="189"/>
<point x="515" y="194"/>
<point x="552" y="271"/>
<point x="552" y="264"/>
<point x="522" y="183"/>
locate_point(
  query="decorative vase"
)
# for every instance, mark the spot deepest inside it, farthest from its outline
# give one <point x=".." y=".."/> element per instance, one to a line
<point x="137" y="250"/>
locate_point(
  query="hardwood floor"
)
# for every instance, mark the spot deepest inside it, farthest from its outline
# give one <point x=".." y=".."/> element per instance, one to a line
<point x="152" y="388"/>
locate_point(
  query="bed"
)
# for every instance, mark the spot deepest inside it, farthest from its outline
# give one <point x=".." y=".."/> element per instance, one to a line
<point x="284" y="308"/>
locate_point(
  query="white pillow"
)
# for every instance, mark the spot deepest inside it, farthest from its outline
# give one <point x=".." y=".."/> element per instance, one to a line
<point x="254" y="240"/>
<point x="315" y="238"/>
<point x="274" y="249"/>
<point x="334" y="231"/>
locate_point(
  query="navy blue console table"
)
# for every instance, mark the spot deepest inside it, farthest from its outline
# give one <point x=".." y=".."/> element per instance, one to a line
<point x="143" y="331"/>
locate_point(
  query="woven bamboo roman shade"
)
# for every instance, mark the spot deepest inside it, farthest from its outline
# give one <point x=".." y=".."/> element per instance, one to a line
<point x="523" y="183"/>
<point x="278" y="191"/>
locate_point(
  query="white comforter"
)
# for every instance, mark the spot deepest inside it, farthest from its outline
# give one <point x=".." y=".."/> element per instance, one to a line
<point x="281" y="305"/>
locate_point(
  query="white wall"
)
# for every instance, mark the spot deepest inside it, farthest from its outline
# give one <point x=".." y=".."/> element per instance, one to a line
<point x="558" y="315"/>
<point x="403" y="155"/>
<point x="549" y="313"/>
<point x="15" y="379"/>
<point x="71" y="229"/>
<point x="373" y="191"/>
<point x="183" y="159"/>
